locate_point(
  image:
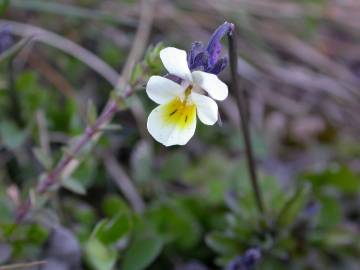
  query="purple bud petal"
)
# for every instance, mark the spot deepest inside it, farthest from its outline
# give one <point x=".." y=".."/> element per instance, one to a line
<point x="200" y="61"/>
<point x="196" y="48"/>
<point x="219" y="66"/>
<point x="251" y="257"/>
<point x="214" y="45"/>
<point x="247" y="261"/>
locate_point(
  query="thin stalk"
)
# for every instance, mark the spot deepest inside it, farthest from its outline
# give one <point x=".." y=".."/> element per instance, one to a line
<point x="121" y="86"/>
<point x="71" y="11"/>
<point x="241" y="100"/>
<point x="15" y="110"/>
<point x="19" y="266"/>
<point x="89" y="133"/>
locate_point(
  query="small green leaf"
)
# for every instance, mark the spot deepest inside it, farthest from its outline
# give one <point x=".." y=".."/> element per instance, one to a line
<point x="175" y="162"/>
<point x="340" y="177"/>
<point x="142" y="252"/>
<point x="113" y="205"/>
<point x="330" y="212"/>
<point x="98" y="256"/>
<point x="175" y="222"/>
<point x="136" y="74"/>
<point x="44" y="159"/>
<point x="340" y="237"/>
<point x="11" y="136"/>
<point x="91" y="113"/>
<point x="293" y="206"/>
<point x="74" y="186"/>
<point x="111" y="231"/>
<point x="222" y="244"/>
<point x="152" y="59"/>
<point x="141" y="162"/>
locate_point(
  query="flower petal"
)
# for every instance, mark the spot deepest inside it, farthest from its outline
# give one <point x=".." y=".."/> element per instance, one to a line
<point x="214" y="46"/>
<point x="162" y="90"/>
<point x="172" y="123"/>
<point x="219" y="66"/>
<point x="207" y="109"/>
<point x="175" y="62"/>
<point x="211" y="84"/>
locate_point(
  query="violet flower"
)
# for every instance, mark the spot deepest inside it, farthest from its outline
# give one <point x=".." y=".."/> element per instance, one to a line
<point x="188" y="91"/>
<point x="208" y="58"/>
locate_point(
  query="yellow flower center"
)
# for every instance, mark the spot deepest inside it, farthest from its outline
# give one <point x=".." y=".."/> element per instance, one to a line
<point x="179" y="112"/>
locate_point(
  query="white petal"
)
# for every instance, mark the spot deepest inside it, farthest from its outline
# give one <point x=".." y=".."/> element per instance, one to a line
<point x="175" y="62"/>
<point x="211" y="84"/>
<point x="162" y="90"/>
<point x="172" y="124"/>
<point x="207" y="109"/>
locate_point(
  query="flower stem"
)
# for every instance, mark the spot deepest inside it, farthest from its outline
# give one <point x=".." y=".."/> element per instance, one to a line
<point x="89" y="133"/>
<point x="241" y="100"/>
<point x="123" y="91"/>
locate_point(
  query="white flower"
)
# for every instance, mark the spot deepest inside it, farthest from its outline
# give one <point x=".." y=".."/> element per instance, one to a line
<point x="173" y="122"/>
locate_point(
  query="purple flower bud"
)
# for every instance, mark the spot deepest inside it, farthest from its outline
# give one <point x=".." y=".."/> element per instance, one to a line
<point x="196" y="48"/>
<point x="251" y="257"/>
<point x="214" y="46"/>
<point x="245" y="262"/>
<point x="6" y="40"/>
<point x="200" y="61"/>
<point x="208" y="58"/>
<point x="219" y="66"/>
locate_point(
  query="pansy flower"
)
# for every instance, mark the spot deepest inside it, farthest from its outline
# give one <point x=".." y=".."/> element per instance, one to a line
<point x="173" y="122"/>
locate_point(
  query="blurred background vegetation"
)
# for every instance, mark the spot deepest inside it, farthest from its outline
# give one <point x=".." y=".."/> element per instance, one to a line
<point x="128" y="202"/>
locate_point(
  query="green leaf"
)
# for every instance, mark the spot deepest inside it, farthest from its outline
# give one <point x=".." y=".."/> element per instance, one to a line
<point x="152" y="59"/>
<point x="222" y="244"/>
<point x="45" y="160"/>
<point x="293" y="206"/>
<point x="98" y="256"/>
<point x="12" y="137"/>
<point x="340" y="177"/>
<point x="111" y="231"/>
<point x="91" y="113"/>
<point x="136" y="74"/>
<point x="141" y="162"/>
<point x="175" y="162"/>
<point x="142" y="252"/>
<point x="37" y="234"/>
<point x="340" y="237"/>
<point x="113" y="205"/>
<point x="74" y="185"/>
<point x="176" y="223"/>
<point x="330" y="213"/>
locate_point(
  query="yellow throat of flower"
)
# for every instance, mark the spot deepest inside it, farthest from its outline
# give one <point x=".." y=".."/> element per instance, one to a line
<point x="180" y="113"/>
